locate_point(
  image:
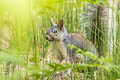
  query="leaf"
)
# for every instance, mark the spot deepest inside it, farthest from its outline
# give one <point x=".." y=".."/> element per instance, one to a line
<point x="91" y="55"/>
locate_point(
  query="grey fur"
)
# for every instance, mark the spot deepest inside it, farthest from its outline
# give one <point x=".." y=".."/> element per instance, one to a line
<point x="61" y="39"/>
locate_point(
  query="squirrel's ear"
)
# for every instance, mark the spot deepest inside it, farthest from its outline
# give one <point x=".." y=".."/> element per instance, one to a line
<point x="52" y="23"/>
<point x="60" y="25"/>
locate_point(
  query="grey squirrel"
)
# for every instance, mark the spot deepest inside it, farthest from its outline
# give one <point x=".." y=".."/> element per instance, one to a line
<point x="58" y="35"/>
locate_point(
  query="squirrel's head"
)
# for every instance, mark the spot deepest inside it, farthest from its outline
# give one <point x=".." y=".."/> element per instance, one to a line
<point x="56" y="32"/>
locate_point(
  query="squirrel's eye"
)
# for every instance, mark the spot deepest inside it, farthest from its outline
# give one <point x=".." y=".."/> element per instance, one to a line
<point x="55" y="31"/>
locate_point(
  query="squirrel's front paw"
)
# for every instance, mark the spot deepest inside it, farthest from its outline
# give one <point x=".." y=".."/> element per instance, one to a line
<point x="65" y="61"/>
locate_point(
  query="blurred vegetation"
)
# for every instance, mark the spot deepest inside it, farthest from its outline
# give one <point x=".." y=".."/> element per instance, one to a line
<point x="24" y="51"/>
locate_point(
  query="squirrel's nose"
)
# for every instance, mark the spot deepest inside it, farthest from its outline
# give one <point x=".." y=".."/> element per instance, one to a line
<point x="47" y="33"/>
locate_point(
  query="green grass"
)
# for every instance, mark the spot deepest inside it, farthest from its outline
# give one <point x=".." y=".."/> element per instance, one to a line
<point x="27" y="54"/>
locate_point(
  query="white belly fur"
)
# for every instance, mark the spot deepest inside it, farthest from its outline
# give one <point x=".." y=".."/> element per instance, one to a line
<point x="60" y="51"/>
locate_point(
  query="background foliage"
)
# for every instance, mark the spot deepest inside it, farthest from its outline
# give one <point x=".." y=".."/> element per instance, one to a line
<point x="24" y="51"/>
